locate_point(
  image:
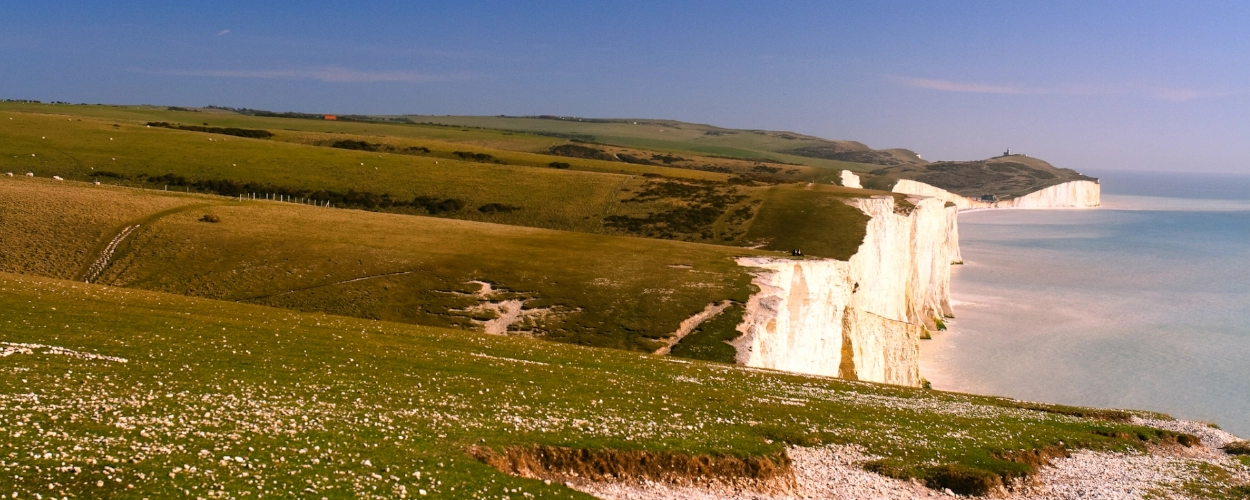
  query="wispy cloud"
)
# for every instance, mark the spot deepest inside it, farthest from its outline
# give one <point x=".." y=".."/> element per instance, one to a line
<point x="1147" y="91"/>
<point x="223" y="32"/>
<point x="1181" y="95"/>
<point x="978" y="88"/>
<point x="333" y="74"/>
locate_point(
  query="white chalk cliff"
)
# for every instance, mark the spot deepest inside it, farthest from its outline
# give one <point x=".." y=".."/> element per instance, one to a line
<point x="849" y="179"/>
<point x="1074" y="194"/>
<point x="861" y="318"/>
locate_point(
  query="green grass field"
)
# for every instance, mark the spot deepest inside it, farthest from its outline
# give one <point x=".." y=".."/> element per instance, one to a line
<point x="114" y="145"/>
<point x="581" y="288"/>
<point x="120" y="393"/>
<point x="710" y="148"/>
<point x="668" y="135"/>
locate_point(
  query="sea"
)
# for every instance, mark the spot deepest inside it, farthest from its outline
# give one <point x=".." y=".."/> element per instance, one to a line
<point x="1143" y="303"/>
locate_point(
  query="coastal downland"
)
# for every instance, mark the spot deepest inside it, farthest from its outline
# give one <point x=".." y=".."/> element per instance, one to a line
<point x="386" y="290"/>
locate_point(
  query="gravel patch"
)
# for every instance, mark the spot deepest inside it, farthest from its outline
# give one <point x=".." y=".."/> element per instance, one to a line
<point x="835" y="472"/>
<point x="831" y="472"/>
<point x="1097" y="476"/>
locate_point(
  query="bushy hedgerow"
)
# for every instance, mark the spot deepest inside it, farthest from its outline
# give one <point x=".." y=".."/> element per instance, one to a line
<point x="237" y="132"/>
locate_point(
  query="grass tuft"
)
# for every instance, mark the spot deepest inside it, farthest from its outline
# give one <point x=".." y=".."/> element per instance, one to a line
<point x="1237" y="448"/>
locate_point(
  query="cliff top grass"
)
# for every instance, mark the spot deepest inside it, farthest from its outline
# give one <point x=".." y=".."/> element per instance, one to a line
<point x="113" y="392"/>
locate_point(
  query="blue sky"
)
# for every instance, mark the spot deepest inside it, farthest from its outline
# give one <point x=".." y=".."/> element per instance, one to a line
<point x="1087" y="85"/>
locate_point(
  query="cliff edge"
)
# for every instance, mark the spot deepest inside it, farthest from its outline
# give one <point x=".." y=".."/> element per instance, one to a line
<point x="863" y="318"/>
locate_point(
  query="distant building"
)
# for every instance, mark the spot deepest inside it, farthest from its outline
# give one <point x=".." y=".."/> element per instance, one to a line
<point x="1008" y="153"/>
<point x="989" y="198"/>
<point x="331" y="117"/>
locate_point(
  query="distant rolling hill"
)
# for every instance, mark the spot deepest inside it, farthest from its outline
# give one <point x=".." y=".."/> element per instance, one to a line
<point x="1002" y="176"/>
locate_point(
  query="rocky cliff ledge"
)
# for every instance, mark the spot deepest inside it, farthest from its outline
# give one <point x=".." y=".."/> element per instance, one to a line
<point x="862" y="318"/>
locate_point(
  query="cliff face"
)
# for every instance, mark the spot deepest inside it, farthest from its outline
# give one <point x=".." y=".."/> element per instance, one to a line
<point x="1075" y="194"/>
<point x="862" y="318"/>
<point x="849" y="179"/>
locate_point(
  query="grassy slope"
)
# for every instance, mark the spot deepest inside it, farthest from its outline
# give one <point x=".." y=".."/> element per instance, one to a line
<point x="81" y="142"/>
<point x="76" y="150"/>
<point x="601" y="290"/>
<point x="804" y="218"/>
<point x="1003" y="176"/>
<point x="667" y="135"/>
<point x="340" y="407"/>
<point x="994" y="176"/>
<point x="57" y="230"/>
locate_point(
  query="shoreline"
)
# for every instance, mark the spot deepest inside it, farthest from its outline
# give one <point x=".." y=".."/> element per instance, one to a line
<point x="1040" y="314"/>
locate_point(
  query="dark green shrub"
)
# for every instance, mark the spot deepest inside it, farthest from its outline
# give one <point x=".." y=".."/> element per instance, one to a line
<point x="627" y="158"/>
<point x="436" y="206"/>
<point x="491" y="208"/>
<point x="477" y="157"/>
<point x="355" y="145"/>
<point x="1237" y="448"/>
<point x="237" y="132"/>
<point x="579" y="151"/>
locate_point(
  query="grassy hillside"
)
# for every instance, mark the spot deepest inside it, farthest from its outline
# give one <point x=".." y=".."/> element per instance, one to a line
<point x="671" y="135"/>
<point x="109" y="392"/>
<point x="1003" y="176"/>
<point x="707" y="148"/>
<point x="57" y="229"/>
<point x="401" y="168"/>
<point x="572" y="287"/>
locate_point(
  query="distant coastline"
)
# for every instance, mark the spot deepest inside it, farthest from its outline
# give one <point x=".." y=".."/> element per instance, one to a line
<point x="1131" y="306"/>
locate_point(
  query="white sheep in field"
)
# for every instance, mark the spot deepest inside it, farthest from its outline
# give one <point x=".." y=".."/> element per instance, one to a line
<point x="57" y="178"/>
<point x="10" y="174"/>
<point x="30" y="174"/>
<point x="97" y="183"/>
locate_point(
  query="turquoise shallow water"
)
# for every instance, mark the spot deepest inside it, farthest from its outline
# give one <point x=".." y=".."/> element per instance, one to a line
<point x="1144" y="303"/>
